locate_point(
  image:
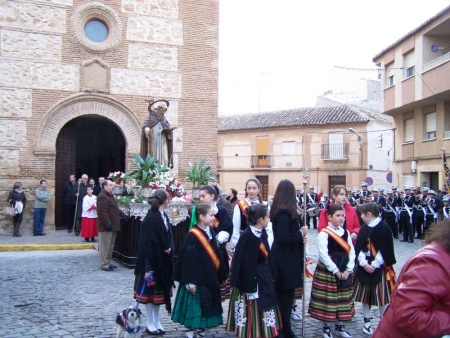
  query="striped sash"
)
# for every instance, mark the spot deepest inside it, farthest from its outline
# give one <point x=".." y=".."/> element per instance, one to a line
<point x="390" y="273"/>
<point x="207" y="246"/>
<point x="263" y="249"/>
<point x="339" y="240"/>
<point x="216" y="223"/>
<point x="243" y="205"/>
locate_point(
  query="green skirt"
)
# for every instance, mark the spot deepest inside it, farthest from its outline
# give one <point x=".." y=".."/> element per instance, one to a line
<point x="187" y="311"/>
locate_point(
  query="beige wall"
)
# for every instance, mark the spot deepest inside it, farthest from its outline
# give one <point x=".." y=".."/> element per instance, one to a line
<point x="48" y="76"/>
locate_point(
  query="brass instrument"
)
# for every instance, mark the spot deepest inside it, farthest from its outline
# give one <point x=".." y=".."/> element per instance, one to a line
<point x="418" y="197"/>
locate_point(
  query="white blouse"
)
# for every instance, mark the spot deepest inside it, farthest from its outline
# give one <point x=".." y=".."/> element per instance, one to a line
<point x="88" y="201"/>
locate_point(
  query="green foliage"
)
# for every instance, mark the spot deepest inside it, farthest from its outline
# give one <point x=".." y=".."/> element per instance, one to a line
<point x="147" y="170"/>
<point x="199" y="174"/>
<point x="128" y="199"/>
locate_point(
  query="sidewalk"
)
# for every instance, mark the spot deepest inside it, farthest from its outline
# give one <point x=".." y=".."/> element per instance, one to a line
<point x="53" y="240"/>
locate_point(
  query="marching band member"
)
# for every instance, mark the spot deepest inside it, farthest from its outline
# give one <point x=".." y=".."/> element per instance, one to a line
<point x="365" y="193"/>
<point x="311" y="202"/>
<point x="390" y="213"/>
<point x="446" y="207"/>
<point x="433" y="204"/>
<point x="405" y="222"/>
<point x="353" y="199"/>
<point x="377" y="199"/>
<point x="420" y="212"/>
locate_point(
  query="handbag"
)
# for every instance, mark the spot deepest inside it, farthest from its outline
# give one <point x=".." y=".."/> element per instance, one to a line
<point x="8" y="211"/>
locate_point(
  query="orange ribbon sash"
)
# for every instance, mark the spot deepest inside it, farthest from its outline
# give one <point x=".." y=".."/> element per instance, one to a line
<point x="207" y="246"/>
<point x="263" y="249"/>
<point x="216" y="223"/>
<point x="339" y="240"/>
<point x="243" y="205"/>
<point x="390" y="273"/>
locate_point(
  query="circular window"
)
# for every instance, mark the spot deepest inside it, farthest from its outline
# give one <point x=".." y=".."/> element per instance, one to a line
<point x="97" y="27"/>
<point x="96" y="31"/>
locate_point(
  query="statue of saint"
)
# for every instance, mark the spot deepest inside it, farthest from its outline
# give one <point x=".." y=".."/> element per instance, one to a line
<point x="157" y="135"/>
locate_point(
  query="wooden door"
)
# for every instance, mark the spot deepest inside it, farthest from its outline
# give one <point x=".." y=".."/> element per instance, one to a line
<point x="65" y="165"/>
<point x="264" y="190"/>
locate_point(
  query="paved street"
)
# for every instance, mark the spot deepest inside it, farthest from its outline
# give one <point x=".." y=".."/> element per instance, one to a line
<point x="63" y="293"/>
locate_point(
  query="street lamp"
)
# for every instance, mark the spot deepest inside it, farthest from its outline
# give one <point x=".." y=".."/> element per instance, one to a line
<point x="351" y="130"/>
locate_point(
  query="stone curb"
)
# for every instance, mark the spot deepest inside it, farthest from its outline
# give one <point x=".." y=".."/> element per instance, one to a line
<point x="36" y="247"/>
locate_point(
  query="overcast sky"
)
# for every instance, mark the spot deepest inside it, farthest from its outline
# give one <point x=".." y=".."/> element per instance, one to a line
<point x="279" y="54"/>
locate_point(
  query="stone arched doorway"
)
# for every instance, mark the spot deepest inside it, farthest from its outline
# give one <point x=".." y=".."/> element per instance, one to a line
<point x="91" y="145"/>
<point x="84" y="115"/>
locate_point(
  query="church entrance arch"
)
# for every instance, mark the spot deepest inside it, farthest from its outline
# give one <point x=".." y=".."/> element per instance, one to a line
<point x="86" y="134"/>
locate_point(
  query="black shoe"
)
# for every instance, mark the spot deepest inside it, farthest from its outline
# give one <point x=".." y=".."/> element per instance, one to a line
<point x="86" y="239"/>
<point x="404" y="240"/>
<point x="41" y="234"/>
<point x="112" y="266"/>
<point x="411" y="241"/>
<point x="396" y="237"/>
<point x="35" y="234"/>
<point x="69" y="231"/>
<point x="418" y="237"/>
<point x="92" y="239"/>
<point x="108" y="269"/>
<point x="153" y="333"/>
<point x="161" y="331"/>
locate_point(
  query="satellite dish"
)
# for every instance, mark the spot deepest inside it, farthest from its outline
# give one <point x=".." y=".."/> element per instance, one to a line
<point x="435" y="48"/>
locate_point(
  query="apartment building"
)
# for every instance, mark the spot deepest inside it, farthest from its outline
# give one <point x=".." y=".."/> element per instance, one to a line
<point x="342" y="144"/>
<point x="416" y="93"/>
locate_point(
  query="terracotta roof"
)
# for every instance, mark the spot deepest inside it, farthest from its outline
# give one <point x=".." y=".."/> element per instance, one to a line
<point x="302" y="117"/>
<point x="414" y="31"/>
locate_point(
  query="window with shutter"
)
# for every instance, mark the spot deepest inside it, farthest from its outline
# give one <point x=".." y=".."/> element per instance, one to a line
<point x="430" y="126"/>
<point x="288" y="147"/>
<point x="408" y="132"/>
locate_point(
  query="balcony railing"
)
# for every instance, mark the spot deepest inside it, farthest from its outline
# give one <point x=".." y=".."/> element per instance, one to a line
<point x="261" y="161"/>
<point x="335" y="151"/>
<point x="436" y="62"/>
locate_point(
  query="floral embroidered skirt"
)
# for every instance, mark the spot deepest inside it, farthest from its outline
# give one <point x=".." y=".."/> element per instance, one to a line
<point x="248" y="321"/>
<point x="188" y="312"/>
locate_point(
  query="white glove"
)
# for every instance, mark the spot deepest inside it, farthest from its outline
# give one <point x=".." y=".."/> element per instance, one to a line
<point x="222" y="237"/>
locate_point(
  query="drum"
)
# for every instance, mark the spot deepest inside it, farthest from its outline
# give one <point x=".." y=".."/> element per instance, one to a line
<point x="311" y="211"/>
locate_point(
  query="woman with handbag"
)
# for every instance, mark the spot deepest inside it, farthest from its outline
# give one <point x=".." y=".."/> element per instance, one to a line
<point x="18" y="201"/>
<point x="332" y="290"/>
<point x="375" y="278"/>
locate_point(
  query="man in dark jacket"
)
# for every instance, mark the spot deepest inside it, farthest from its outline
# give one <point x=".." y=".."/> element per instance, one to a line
<point x="108" y="224"/>
<point x="80" y="193"/>
<point x="70" y="199"/>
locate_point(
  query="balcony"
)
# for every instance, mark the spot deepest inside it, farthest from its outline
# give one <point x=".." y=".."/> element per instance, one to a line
<point x="436" y="62"/>
<point x="335" y="151"/>
<point x="261" y="162"/>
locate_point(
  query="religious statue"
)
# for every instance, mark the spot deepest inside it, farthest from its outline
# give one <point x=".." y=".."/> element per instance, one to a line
<point x="157" y="135"/>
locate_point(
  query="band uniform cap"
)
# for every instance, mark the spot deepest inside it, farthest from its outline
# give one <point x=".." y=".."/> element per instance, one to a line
<point x="413" y="188"/>
<point x="425" y="189"/>
<point x="389" y="191"/>
<point x="446" y="199"/>
<point x="394" y="187"/>
<point x="375" y="189"/>
<point x="364" y="184"/>
<point x="311" y="187"/>
<point x="431" y="191"/>
<point x="349" y="189"/>
<point x="408" y="188"/>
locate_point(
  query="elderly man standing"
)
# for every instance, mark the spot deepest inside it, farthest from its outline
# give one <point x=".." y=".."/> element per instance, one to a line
<point x="108" y="224"/>
<point x="42" y="197"/>
<point x="81" y="191"/>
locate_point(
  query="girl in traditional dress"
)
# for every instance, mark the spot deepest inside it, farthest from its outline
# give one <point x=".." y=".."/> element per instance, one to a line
<point x="155" y="258"/>
<point x="223" y="227"/>
<point x="375" y="278"/>
<point x="253" y="311"/>
<point x="351" y="221"/>
<point x="200" y="271"/>
<point x="287" y="251"/>
<point x="89" y="216"/>
<point x="240" y="221"/>
<point x="332" y="290"/>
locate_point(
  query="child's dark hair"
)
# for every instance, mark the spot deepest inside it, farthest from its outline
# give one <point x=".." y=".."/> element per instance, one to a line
<point x="158" y="198"/>
<point x="255" y="212"/>
<point x="256" y="181"/>
<point x="331" y="210"/>
<point x="210" y="190"/>
<point x="200" y="209"/>
<point x="373" y="208"/>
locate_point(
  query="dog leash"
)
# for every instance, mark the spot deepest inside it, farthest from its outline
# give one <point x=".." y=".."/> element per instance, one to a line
<point x="142" y="291"/>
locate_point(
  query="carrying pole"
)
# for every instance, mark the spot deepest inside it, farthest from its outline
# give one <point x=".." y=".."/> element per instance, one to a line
<point x="305" y="183"/>
<point x="76" y="206"/>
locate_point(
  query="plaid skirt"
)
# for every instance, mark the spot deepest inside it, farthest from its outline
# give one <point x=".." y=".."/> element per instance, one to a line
<point x="248" y="321"/>
<point x="373" y="294"/>
<point x="328" y="302"/>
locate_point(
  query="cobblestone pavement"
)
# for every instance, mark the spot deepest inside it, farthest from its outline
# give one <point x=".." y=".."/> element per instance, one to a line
<point x="64" y="294"/>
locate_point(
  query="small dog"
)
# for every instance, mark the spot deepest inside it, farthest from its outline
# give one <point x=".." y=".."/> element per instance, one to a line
<point x="128" y="322"/>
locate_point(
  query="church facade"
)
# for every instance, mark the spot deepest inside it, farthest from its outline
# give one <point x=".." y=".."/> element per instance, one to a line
<point x="75" y="80"/>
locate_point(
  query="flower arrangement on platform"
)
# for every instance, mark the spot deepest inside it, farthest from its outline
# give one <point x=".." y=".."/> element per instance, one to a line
<point x="116" y="176"/>
<point x="147" y="170"/>
<point x="171" y="185"/>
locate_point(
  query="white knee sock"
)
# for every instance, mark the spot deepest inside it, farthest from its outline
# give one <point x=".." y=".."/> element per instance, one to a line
<point x="156" y="317"/>
<point x="382" y="308"/>
<point x="366" y="310"/>
<point x="189" y="334"/>
<point x="149" y="314"/>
